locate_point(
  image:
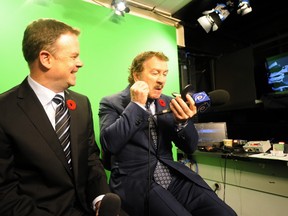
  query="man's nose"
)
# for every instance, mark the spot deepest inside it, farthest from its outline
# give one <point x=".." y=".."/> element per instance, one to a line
<point x="79" y="63"/>
<point x="161" y="78"/>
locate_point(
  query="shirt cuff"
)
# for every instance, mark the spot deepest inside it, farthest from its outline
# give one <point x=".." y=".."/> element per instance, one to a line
<point x="143" y="107"/>
<point x="97" y="199"/>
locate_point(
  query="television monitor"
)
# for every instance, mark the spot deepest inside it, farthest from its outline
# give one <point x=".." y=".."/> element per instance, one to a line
<point x="211" y="133"/>
<point x="277" y="73"/>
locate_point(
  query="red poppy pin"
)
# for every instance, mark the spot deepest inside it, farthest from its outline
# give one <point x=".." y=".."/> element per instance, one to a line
<point x="162" y="102"/>
<point x="71" y="104"/>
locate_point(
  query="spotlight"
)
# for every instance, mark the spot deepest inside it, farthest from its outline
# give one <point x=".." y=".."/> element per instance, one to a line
<point x="212" y="19"/>
<point x="244" y="7"/>
<point x="120" y="7"/>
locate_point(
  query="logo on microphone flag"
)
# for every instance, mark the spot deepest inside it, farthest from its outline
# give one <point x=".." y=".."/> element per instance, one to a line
<point x="202" y="101"/>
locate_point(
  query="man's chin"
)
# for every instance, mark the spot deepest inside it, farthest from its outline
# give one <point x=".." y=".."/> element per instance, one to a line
<point x="71" y="83"/>
<point x="154" y="96"/>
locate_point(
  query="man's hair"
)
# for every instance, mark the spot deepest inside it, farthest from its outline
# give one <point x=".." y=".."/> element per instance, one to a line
<point x="42" y="34"/>
<point x="138" y="61"/>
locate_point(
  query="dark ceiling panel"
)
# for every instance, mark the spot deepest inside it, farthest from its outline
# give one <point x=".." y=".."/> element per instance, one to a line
<point x="267" y="21"/>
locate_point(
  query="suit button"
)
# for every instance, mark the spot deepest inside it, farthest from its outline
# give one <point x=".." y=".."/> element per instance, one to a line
<point x="138" y="122"/>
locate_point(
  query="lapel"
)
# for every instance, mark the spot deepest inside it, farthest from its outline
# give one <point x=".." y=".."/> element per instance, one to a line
<point x="73" y="132"/>
<point x="161" y="104"/>
<point x="32" y="107"/>
<point x="125" y="100"/>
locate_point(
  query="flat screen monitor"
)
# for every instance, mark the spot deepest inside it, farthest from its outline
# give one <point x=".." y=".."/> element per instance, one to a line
<point x="211" y="133"/>
<point x="277" y="73"/>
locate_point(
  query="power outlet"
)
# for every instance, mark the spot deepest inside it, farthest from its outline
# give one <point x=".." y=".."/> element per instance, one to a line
<point x="217" y="186"/>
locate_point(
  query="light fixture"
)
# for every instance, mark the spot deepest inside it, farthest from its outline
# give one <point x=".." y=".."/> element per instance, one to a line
<point x="244" y="7"/>
<point x="120" y="7"/>
<point x="212" y="19"/>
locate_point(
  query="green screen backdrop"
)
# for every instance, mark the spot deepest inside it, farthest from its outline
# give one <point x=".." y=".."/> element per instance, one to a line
<point x="107" y="45"/>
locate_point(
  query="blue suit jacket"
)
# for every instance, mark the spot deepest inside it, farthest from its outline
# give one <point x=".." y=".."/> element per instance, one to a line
<point x="125" y="143"/>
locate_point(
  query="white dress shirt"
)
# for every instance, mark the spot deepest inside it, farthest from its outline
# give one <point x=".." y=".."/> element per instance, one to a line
<point x="45" y="97"/>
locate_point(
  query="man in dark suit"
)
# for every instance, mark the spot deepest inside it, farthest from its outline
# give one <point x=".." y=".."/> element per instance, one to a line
<point x="37" y="176"/>
<point x="134" y="155"/>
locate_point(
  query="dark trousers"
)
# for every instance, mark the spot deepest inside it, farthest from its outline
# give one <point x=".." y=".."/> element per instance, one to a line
<point x="184" y="198"/>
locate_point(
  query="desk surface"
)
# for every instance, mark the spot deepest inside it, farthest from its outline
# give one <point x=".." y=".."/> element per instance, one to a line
<point x="269" y="156"/>
<point x="257" y="157"/>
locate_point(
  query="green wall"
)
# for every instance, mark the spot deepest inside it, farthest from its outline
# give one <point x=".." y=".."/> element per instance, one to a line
<point x="108" y="44"/>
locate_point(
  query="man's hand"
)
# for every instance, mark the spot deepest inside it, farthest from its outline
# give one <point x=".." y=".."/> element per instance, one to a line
<point x="183" y="110"/>
<point x="139" y="92"/>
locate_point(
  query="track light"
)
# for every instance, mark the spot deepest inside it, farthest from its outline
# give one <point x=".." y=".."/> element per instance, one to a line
<point x="120" y="7"/>
<point x="212" y="19"/>
<point x="244" y="7"/>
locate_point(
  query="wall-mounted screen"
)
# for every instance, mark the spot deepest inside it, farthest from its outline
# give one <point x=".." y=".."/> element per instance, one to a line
<point x="277" y="73"/>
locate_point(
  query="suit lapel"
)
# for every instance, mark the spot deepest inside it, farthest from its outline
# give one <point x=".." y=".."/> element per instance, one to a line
<point x="73" y="132"/>
<point x="125" y="100"/>
<point x="33" y="109"/>
<point x="160" y="105"/>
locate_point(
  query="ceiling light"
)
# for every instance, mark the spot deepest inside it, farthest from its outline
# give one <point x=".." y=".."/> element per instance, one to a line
<point x="244" y="7"/>
<point x="212" y="19"/>
<point x="120" y="7"/>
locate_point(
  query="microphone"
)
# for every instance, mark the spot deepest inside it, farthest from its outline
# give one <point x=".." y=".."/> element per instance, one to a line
<point x="203" y="101"/>
<point x="219" y="97"/>
<point x="110" y="205"/>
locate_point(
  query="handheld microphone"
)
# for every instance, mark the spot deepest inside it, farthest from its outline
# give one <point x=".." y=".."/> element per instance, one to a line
<point x="110" y="205"/>
<point x="202" y="100"/>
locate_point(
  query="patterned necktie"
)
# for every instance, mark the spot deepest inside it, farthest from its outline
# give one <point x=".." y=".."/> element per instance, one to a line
<point x="62" y="126"/>
<point x="161" y="174"/>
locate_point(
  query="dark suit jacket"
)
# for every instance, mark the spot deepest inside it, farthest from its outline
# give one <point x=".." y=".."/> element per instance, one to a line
<point x="124" y="137"/>
<point x="34" y="176"/>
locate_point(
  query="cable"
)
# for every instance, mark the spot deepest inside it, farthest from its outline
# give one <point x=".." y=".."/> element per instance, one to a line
<point x="98" y="3"/>
<point x="224" y="178"/>
<point x="189" y="162"/>
<point x="217" y="187"/>
<point x="152" y="9"/>
<point x="149" y="157"/>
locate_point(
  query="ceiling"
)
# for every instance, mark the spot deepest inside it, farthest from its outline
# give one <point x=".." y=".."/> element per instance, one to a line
<point x="168" y="6"/>
<point x="267" y="22"/>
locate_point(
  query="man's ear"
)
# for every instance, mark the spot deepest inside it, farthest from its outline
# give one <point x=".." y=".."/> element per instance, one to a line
<point x="45" y="59"/>
<point x="136" y="76"/>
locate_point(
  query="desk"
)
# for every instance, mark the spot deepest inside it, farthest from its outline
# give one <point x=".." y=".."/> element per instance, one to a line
<point x="252" y="186"/>
<point x="270" y="156"/>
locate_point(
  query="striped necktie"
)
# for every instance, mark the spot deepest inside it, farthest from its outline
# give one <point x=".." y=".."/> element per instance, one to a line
<point x="161" y="174"/>
<point x="62" y="126"/>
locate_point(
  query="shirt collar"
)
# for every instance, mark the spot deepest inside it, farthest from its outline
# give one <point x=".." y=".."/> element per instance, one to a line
<point x="44" y="94"/>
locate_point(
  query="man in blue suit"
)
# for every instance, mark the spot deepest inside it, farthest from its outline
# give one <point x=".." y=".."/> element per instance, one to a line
<point x="132" y="156"/>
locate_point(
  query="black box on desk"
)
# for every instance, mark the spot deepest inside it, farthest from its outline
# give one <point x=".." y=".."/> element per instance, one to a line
<point x="210" y="146"/>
